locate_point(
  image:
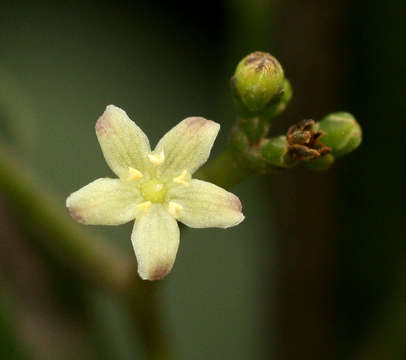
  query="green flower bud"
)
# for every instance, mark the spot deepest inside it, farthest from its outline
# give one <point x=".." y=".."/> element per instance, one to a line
<point x="342" y="133"/>
<point x="258" y="80"/>
<point x="274" y="151"/>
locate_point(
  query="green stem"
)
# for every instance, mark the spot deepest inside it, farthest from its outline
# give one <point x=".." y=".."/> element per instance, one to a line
<point x="225" y="170"/>
<point x="146" y="312"/>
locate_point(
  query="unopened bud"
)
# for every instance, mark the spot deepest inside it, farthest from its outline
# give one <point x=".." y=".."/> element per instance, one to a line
<point x="342" y="133"/>
<point x="258" y="80"/>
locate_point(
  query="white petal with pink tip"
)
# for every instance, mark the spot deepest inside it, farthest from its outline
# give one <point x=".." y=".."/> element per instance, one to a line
<point x="187" y="146"/>
<point x="206" y="205"/>
<point x="104" y="202"/>
<point x="123" y="143"/>
<point x="155" y="238"/>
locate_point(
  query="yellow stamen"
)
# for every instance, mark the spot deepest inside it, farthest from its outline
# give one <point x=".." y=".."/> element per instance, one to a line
<point x="134" y="174"/>
<point x="157" y="159"/>
<point x="144" y="206"/>
<point x="174" y="208"/>
<point x="180" y="179"/>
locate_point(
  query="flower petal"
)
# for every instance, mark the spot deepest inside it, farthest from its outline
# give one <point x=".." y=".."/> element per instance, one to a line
<point x="187" y="146"/>
<point x="155" y="239"/>
<point x="206" y="205"/>
<point x="104" y="202"/>
<point x="123" y="143"/>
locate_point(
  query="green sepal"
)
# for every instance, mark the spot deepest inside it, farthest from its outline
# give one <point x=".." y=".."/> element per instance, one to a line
<point x="319" y="164"/>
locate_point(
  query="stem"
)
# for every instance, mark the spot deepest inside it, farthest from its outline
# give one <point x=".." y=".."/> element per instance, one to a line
<point x="146" y="311"/>
<point x="225" y="170"/>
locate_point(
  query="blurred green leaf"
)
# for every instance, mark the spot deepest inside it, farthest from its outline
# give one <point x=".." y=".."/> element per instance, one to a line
<point x="16" y="113"/>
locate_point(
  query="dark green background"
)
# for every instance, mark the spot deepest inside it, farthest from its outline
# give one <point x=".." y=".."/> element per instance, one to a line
<point x="318" y="267"/>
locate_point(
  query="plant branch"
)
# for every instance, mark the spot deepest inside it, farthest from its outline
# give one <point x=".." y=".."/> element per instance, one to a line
<point x="225" y="170"/>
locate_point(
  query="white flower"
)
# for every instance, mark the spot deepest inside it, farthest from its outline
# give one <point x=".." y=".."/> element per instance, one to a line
<point x="155" y="188"/>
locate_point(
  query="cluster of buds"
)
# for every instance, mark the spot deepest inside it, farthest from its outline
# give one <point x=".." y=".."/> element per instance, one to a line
<point x="314" y="145"/>
<point x="261" y="92"/>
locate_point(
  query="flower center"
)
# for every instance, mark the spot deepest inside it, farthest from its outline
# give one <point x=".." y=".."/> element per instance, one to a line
<point x="153" y="190"/>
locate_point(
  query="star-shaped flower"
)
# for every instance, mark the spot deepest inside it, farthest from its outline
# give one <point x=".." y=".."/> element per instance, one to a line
<point x="155" y="188"/>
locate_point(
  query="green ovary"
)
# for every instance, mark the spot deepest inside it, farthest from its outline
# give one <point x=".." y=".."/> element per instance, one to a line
<point x="154" y="191"/>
